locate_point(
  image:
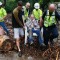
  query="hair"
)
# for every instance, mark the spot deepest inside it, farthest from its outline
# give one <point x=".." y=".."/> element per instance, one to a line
<point x="27" y="3"/>
<point x="19" y="3"/>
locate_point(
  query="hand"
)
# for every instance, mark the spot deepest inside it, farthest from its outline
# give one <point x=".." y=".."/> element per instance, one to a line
<point x="23" y="27"/>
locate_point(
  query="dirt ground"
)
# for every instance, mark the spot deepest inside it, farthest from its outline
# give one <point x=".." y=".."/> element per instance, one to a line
<point x="30" y="53"/>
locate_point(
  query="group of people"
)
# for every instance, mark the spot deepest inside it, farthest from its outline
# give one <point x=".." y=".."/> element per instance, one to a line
<point x="34" y="21"/>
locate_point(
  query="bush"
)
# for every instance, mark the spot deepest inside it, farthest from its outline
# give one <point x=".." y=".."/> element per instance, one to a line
<point x="10" y="5"/>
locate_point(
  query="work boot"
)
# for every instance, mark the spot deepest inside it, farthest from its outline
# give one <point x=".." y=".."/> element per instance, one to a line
<point x="43" y="45"/>
<point x="19" y="53"/>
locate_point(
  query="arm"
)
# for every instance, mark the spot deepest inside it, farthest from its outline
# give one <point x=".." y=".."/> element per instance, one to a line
<point x="57" y="15"/>
<point x="42" y="19"/>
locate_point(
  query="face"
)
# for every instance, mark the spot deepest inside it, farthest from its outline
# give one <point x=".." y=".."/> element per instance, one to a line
<point x="32" y="17"/>
<point x="51" y="7"/>
<point x="28" y="6"/>
<point x="19" y="7"/>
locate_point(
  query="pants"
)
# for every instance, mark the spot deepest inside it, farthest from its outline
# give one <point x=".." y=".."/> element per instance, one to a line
<point x="18" y="32"/>
<point x="49" y="34"/>
<point x="4" y="27"/>
<point x="38" y="34"/>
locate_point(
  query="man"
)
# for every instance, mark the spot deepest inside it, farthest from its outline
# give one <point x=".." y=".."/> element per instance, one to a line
<point x="37" y="12"/>
<point x="3" y="15"/>
<point x="17" y="23"/>
<point x="26" y="11"/>
<point x="33" y="27"/>
<point x="49" y="20"/>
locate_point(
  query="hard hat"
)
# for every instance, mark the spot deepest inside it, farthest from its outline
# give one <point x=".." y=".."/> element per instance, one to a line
<point x="0" y="3"/>
<point x="36" y="6"/>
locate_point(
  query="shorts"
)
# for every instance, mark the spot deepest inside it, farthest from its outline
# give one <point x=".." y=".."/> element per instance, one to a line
<point x="18" y="32"/>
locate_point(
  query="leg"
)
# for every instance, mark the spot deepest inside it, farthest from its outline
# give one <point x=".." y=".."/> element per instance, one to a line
<point x="21" y="31"/>
<point x="30" y="40"/>
<point x="4" y="27"/>
<point x="16" y="36"/>
<point x="18" y="44"/>
<point x="54" y="32"/>
<point x="39" y="36"/>
<point x="46" y="35"/>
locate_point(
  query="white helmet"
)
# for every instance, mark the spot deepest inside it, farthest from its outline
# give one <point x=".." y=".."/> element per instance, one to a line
<point x="36" y="6"/>
<point x="0" y="3"/>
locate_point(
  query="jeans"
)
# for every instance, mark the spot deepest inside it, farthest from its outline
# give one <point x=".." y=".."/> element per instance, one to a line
<point x="4" y="27"/>
<point x="38" y="34"/>
<point x="49" y="34"/>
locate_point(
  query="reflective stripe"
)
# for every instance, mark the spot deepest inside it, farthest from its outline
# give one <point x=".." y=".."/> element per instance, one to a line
<point x="49" y="20"/>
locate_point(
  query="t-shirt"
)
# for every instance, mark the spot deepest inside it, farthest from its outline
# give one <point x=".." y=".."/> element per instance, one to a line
<point x="17" y="15"/>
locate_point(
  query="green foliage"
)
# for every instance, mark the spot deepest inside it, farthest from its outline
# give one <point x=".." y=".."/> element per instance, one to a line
<point x="2" y="0"/>
<point x="10" y="5"/>
<point x="40" y="1"/>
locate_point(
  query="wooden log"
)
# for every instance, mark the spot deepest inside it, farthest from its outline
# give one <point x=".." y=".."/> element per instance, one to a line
<point x="5" y="43"/>
<point x="57" y="55"/>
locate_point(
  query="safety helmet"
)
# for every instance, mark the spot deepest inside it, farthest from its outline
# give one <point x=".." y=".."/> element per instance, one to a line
<point x="0" y="3"/>
<point x="36" y="6"/>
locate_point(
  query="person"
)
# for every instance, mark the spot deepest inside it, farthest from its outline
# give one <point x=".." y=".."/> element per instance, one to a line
<point x="48" y="21"/>
<point x="26" y="11"/>
<point x="3" y="15"/>
<point x="37" y="12"/>
<point x="17" y="23"/>
<point x="33" y="27"/>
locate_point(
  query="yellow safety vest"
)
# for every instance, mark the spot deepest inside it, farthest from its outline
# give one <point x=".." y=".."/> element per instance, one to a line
<point x="2" y="14"/>
<point x="25" y="13"/>
<point x="49" y="20"/>
<point x="37" y="13"/>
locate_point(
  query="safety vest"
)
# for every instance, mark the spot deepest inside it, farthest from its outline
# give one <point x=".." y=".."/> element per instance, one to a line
<point x="49" y="20"/>
<point x="2" y="14"/>
<point x="25" y="13"/>
<point x="37" y="14"/>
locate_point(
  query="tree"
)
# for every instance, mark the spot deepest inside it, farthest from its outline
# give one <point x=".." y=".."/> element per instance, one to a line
<point x="4" y="2"/>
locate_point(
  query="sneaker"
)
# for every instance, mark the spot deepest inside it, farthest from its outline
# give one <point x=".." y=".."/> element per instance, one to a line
<point x="19" y="53"/>
<point x="31" y="43"/>
<point x="43" y="45"/>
